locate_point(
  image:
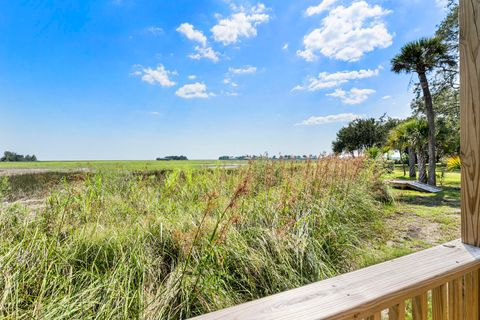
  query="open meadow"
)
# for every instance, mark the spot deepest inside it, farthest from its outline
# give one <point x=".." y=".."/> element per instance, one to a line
<point x="177" y="243"/>
<point x="140" y="165"/>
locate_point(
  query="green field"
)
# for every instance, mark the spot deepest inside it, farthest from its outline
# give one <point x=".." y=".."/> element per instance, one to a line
<point x="147" y="165"/>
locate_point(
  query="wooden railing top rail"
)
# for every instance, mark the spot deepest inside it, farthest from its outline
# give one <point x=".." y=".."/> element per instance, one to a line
<point x="358" y="294"/>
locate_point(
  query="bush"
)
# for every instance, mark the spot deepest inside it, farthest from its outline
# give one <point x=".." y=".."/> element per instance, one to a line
<point x="454" y="163"/>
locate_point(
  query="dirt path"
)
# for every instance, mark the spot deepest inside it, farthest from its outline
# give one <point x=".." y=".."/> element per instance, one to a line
<point x="421" y="220"/>
<point x="31" y="171"/>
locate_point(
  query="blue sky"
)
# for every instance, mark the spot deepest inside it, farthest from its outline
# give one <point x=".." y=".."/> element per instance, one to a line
<point x="133" y="79"/>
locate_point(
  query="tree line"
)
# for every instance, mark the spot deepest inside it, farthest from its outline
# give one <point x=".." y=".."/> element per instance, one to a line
<point x="9" y="156"/>
<point x="433" y="130"/>
<point x="172" y="158"/>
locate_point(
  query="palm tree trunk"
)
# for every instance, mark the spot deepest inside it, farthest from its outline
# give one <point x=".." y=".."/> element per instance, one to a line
<point x="422" y="170"/>
<point x="411" y="163"/>
<point x="432" y="159"/>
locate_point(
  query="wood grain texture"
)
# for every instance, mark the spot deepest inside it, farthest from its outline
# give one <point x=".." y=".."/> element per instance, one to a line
<point x="420" y="307"/>
<point x="376" y="316"/>
<point x="439" y="303"/>
<point x="455" y="299"/>
<point x="470" y="119"/>
<point x="397" y="312"/>
<point x="361" y="293"/>
<point x="471" y="295"/>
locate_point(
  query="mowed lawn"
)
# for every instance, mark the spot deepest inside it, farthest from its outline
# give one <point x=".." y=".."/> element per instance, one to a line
<point x="416" y="220"/>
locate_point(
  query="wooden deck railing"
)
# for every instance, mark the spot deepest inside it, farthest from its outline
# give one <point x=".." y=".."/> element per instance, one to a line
<point x="439" y="283"/>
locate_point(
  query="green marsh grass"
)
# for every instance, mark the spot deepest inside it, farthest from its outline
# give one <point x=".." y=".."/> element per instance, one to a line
<point x="186" y="242"/>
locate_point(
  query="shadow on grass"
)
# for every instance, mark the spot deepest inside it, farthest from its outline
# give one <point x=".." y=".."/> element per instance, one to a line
<point x="450" y="196"/>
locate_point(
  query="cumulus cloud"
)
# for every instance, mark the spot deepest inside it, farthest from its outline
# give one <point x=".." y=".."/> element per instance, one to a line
<point x="205" y="52"/>
<point x="324" y="5"/>
<point x="192" y="77"/>
<point x="327" y="80"/>
<point x="191" y="33"/>
<point x="342" y="117"/>
<point x="202" y="51"/>
<point x="386" y="97"/>
<point x="244" y="70"/>
<point x="160" y="76"/>
<point x="354" y="96"/>
<point x="193" y="91"/>
<point x="242" y="24"/>
<point x="347" y="33"/>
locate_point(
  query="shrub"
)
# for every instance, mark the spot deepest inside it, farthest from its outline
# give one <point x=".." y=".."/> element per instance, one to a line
<point x="453" y="163"/>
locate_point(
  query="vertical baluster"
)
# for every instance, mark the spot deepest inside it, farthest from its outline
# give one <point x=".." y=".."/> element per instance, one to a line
<point x="439" y="303"/>
<point x="420" y="307"/>
<point x="455" y="299"/>
<point x="376" y="316"/>
<point x="471" y="295"/>
<point x="397" y="312"/>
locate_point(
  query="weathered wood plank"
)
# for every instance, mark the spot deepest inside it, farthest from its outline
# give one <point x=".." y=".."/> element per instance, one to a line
<point x="455" y="299"/>
<point x="439" y="303"/>
<point x="376" y="316"/>
<point x="414" y="185"/>
<point x="397" y="312"/>
<point x="471" y="295"/>
<point x="470" y="119"/>
<point x="420" y="307"/>
<point x="361" y="293"/>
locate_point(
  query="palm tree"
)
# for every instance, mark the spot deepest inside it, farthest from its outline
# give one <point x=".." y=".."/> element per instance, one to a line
<point x="417" y="133"/>
<point x="421" y="57"/>
<point x="398" y="140"/>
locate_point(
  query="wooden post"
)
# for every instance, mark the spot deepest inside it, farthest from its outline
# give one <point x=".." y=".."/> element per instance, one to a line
<point x="470" y="119"/>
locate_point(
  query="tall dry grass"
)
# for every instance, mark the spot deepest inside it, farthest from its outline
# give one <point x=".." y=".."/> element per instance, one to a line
<point x="121" y="246"/>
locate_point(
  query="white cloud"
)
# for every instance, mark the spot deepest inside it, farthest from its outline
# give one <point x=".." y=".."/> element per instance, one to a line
<point x="156" y="31"/>
<point x="194" y="90"/>
<point x="244" y="70"/>
<point x="241" y="24"/>
<point x="230" y="82"/>
<point x="324" y="5"/>
<point x="192" y="77"/>
<point x="205" y="52"/>
<point x="354" y="96"/>
<point x="347" y="33"/>
<point x="202" y="51"/>
<point x="386" y="97"/>
<point x="327" y="80"/>
<point x="191" y="33"/>
<point x="155" y="114"/>
<point x="342" y="117"/>
<point x="159" y="76"/>
<point x="285" y="46"/>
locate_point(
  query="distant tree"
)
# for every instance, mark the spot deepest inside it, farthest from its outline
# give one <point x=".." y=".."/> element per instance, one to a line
<point x="362" y="134"/>
<point x="413" y="133"/>
<point x="398" y="140"/>
<point x="421" y="57"/>
<point x="9" y="156"/>
<point x="172" y="158"/>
